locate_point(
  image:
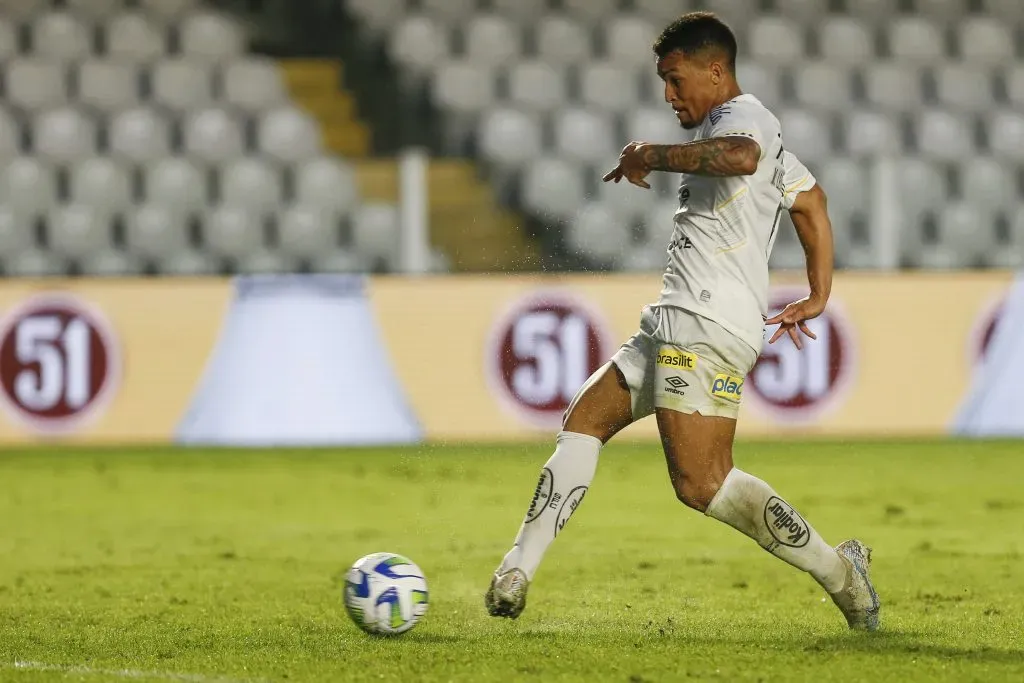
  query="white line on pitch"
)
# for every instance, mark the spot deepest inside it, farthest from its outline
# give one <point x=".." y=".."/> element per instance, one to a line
<point x="120" y="673"/>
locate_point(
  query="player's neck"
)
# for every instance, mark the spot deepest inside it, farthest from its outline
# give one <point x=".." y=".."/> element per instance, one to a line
<point x="728" y="92"/>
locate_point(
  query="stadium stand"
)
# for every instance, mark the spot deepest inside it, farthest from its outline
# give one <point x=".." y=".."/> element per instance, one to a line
<point x="148" y="136"/>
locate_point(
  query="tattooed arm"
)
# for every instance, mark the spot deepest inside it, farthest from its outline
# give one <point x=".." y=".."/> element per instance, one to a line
<point x="721" y="156"/>
<point x="725" y="156"/>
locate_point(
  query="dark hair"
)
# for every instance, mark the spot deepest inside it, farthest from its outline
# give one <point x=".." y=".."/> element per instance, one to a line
<point x="696" y="32"/>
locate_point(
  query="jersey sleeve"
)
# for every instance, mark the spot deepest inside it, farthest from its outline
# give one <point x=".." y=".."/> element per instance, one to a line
<point x="797" y="179"/>
<point x="739" y="119"/>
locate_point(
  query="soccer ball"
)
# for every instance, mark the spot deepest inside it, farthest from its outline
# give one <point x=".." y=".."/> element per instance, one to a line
<point x="385" y="593"/>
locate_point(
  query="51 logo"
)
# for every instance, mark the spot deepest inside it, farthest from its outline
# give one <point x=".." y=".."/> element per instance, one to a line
<point x="541" y="352"/>
<point x="797" y="386"/>
<point x="59" y="363"/>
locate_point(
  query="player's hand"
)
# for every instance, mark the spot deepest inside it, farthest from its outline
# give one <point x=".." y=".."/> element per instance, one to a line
<point x="631" y="166"/>
<point x="793" y="320"/>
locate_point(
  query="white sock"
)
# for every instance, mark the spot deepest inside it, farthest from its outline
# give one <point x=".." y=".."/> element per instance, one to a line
<point x="751" y="506"/>
<point x="563" y="483"/>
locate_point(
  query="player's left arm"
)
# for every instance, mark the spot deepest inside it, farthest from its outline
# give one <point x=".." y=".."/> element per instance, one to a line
<point x="809" y="212"/>
<point x="717" y="157"/>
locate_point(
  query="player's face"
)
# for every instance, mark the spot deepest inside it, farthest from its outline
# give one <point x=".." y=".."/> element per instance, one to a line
<point x="688" y="87"/>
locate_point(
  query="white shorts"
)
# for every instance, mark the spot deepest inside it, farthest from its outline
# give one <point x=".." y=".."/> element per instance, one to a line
<point x="685" y="362"/>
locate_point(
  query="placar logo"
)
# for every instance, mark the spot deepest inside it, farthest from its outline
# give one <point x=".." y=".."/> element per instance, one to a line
<point x="785" y="525"/>
<point x="727" y="387"/>
<point x="676" y="359"/>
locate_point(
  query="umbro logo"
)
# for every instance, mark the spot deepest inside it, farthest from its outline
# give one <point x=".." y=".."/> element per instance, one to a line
<point x="676" y="385"/>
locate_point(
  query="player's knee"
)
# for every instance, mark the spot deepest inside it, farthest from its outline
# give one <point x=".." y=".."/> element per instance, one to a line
<point x="696" y="491"/>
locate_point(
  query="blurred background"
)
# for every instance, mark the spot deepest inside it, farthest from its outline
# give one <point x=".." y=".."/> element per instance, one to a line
<point x="169" y="144"/>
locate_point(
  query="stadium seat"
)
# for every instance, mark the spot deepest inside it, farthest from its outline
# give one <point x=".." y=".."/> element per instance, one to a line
<point x="326" y="184"/>
<point x="878" y="11"/>
<point x="232" y="231"/>
<point x="536" y="85"/>
<point x="264" y="262"/>
<point x="17" y="233"/>
<point x="967" y="228"/>
<point x="1005" y="132"/>
<point x="34" y="263"/>
<point x="251" y="183"/>
<point x="463" y="87"/>
<point x="182" y="85"/>
<point x="63" y="135"/>
<point x="867" y="133"/>
<point x="984" y="41"/>
<point x="153" y="231"/>
<point x="609" y="86"/>
<point x="288" y="135"/>
<point x="20" y="10"/>
<point x="736" y="13"/>
<point x="60" y="36"/>
<point x="915" y="40"/>
<point x="663" y="11"/>
<point x="108" y="86"/>
<point x="27" y="186"/>
<point x="169" y="10"/>
<point x="306" y="231"/>
<point x="823" y="86"/>
<point x="253" y="84"/>
<point x="845" y="40"/>
<point x="375" y="230"/>
<point x="592" y="11"/>
<point x="963" y="87"/>
<point x="941" y="11"/>
<point x="213" y="136"/>
<point x="138" y="135"/>
<point x="339" y="261"/>
<point x="94" y="10"/>
<point x="1007" y="10"/>
<point x="809" y="12"/>
<point x="8" y="40"/>
<point x="100" y="183"/>
<point x="377" y="15"/>
<point x="922" y="187"/>
<point x="492" y="40"/>
<point x="598" y="233"/>
<point x="553" y="187"/>
<point x="561" y="40"/>
<point x="176" y="184"/>
<point x="1013" y="78"/>
<point x="132" y="37"/>
<point x="642" y="258"/>
<point x="847" y="184"/>
<point x="76" y="231"/>
<point x="509" y="137"/>
<point x="418" y="43"/>
<point x="585" y="136"/>
<point x="628" y="41"/>
<point x="10" y="136"/>
<point x="892" y="85"/>
<point x="987" y="182"/>
<point x="449" y="11"/>
<point x="210" y="36"/>
<point x="944" y="136"/>
<point x="659" y="224"/>
<point x="760" y="80"/>
<point x="774" y="39"/>
<point x="655" y="124"/>
<point x="189" y="262"/>
<point x="35" y="84"/>
<point x="805" y="134"/>
<point x="109" y="263"/>
<point x="522" y="11"/>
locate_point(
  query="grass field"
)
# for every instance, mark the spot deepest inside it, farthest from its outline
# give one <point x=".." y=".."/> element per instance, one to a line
<point x="228" y="565"/>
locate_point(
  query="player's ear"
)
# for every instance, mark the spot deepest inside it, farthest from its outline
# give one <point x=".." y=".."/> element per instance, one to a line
<point x="717" y="72"/>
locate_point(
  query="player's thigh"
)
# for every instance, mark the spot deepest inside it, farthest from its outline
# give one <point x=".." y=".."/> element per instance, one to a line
<point x="698" y="452"/>
<point x="602" y="406"/>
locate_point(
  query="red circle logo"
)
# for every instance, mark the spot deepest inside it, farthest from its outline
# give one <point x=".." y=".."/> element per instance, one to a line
<point x="798" y="385"/>
<point x="58" y="363"/>
<point x="541" y="352"/>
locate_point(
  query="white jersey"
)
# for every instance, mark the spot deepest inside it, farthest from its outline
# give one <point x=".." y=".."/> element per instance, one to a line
<point x="725" y="227"/>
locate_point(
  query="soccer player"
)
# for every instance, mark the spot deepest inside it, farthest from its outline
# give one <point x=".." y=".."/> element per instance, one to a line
<point x="696" y="344"/>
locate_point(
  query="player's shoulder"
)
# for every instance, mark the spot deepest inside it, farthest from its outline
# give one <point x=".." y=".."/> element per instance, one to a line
<point x="745" y="107"/>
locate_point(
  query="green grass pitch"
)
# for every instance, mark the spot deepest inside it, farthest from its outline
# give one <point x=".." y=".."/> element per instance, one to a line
<point x="227" y="566"/>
